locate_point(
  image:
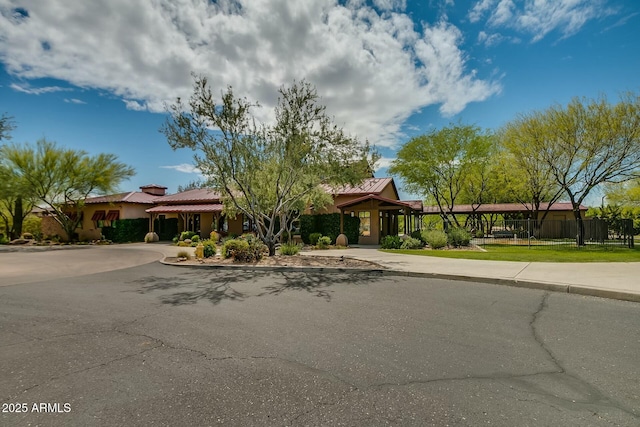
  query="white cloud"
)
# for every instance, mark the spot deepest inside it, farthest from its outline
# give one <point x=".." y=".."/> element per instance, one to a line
<point x="184" y="168"/>
<point x="481" y="7"/>
<point x="74" y="101"/>
<point x="373" y="70"/>
<point x="25" y="88"/>
<point x="390" y="4"/>
<point x="384" y="162"/>
<point x="539" y="17"/>
<point x="134" y="105"/>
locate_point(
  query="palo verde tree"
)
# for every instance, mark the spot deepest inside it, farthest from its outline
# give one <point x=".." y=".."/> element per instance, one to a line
<point x="441" y="163"/>
<point x="268" y="172"/>
<point x="585" y="144"/>
<point x="625" y="194"/>
<point x="63" y="178"/>
<point x="527" y="172"/>
<point x="16" y="198"/>
<point x="6" y="126"/>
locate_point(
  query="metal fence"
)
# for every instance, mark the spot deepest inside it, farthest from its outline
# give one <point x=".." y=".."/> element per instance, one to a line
<point x="528" y="232"/>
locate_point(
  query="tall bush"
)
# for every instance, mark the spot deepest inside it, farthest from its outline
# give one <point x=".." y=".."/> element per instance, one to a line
<point x="166" y="228"/>
<point x="329" y="225"/>
<point x="127" y="230"/>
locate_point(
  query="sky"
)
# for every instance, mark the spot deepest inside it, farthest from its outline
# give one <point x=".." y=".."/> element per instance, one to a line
<point x="97" y="75"/>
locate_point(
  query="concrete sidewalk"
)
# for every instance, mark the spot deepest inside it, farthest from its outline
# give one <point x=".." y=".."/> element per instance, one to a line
<point x="617" y="280"/>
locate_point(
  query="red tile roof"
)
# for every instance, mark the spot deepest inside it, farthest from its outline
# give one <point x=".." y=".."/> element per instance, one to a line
<point x="502" y="208"/>
<point x="130" y="197"/>
<point x="368" y="186"/>
<point x="195" y="195"/>
<point x="374" y="197"/>
<point x="216" y="207"/>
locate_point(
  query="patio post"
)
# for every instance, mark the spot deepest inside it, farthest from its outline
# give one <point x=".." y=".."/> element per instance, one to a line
<point x="406" y="222"/>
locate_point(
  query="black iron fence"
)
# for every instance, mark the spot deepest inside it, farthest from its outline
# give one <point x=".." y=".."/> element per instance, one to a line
<point x="529" y="232"/>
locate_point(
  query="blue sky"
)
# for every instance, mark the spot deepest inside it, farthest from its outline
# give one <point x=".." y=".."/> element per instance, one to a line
<point x="96" y="76"/>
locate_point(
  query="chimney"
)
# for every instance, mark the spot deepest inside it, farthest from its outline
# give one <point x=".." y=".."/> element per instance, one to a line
<point x="154" y="189"/>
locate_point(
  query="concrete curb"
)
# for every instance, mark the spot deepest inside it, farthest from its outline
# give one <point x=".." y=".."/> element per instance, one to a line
<point x="545" y="286"/>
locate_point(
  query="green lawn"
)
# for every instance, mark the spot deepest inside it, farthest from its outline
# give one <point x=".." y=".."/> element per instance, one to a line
<point x="539" y="253"/>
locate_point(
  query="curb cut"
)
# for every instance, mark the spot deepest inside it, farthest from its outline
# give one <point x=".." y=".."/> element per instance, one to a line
<point x="552" y="287"/>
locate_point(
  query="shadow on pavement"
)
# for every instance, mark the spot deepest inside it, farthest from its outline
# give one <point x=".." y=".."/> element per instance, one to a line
<point x="193" y="285"/>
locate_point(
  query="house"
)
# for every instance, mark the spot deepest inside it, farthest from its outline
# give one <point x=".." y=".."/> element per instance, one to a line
<point x="198" y="210"/>
<point x="378" y="206"/>
<point x="101" y="211"/>
<point x="375" y="202"/>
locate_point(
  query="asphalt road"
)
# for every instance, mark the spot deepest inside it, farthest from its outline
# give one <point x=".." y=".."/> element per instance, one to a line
<point x="162" y="345"/>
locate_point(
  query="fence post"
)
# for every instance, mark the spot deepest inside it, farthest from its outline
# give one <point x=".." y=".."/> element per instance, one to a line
<point x="529" y="233"/>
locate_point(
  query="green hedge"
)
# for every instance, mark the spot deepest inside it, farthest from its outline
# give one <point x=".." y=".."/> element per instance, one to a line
<point x="127" y="230"/>
<point x="329" y="225"/>
<point x="166" y="228"/>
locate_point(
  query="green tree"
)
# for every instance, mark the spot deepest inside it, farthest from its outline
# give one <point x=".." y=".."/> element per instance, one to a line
<point x="443" y="164"/>
<point x="626" y="193"/>
<point x="528" y="174"/>
<point x="191" y="185"/>
<point x="6" y="126"/>
<point x="585" y="144"/>
<point x="63" y="178"/>
<point x="270" y="173"/>
<point x="16" y="199"/>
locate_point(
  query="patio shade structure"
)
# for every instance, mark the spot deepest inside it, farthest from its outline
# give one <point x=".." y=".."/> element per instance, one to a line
<point x="185" y="212"/>
<point x="387" y="210"/>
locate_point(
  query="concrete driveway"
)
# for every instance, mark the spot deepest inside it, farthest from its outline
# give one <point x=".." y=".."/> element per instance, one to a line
<point x="36" y="264"/>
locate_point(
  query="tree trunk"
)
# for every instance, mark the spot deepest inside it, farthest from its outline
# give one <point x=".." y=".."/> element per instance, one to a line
<point x="272" y="247"/>
<point x="18" y="215"/>
<point x="579" y="226"/>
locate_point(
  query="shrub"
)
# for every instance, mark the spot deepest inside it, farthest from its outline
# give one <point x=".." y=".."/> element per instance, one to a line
<point x="289" y="249"/>
<point x="417" y="234"/>
<point x="209" y="248"/>
<point x="194" y="244"/>
<point x="195" y="238"/>
<point x="391" y="242"/>
<point x="411" y="243"/>
<point x="184" y="254"/>
<point x="324" y="242"/>
<point x="175" y="240"/>
<point x="187" y="235"/>
<point x="231" y="246"/>
<point x="313" y="238"/>
<point x="479" y="234"/>
<point x="436" y="239"/>
<point x="166" y="228"/>
<point x="458" y="237"/>
<point x="214" y="236"/>
<point x="329" y="225"/>
<point x="242" y="250"/>
<point x="183" y="244"/>
<point x="127" y="230"/>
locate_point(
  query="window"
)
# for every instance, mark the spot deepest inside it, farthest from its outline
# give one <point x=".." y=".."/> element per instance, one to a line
<point x="365" y="223"/>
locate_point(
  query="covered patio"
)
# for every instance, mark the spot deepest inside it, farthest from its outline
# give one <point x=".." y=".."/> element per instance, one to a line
<point x="380" y="216"/>
<point x="201" y="219"/>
